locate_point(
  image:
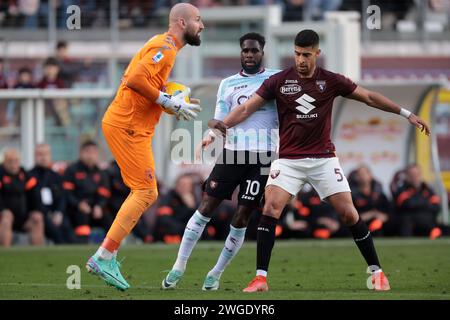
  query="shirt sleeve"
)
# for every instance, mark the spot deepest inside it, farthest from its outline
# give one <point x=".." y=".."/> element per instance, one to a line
<point x="150" y="65"/>
<point x="345" y="86"/>
<point x="268" y="89"/>
<point x="223" y="104"/>
<point x="155" y="60"/>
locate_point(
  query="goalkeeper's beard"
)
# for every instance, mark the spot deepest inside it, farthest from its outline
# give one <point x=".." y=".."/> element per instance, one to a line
<point x="192" y="39"/>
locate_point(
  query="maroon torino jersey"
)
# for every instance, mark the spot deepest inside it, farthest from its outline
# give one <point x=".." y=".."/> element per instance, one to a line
<point x="304" y="110"/>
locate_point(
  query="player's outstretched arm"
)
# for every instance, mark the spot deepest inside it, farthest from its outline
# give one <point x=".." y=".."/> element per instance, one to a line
<point x="377" y="100"/>
<point x="245" y="110"/>
<point x="218" y="125"/>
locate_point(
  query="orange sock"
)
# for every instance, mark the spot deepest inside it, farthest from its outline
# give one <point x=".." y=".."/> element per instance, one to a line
<point x="110" y="245"/>
<point x="131" y="210"/>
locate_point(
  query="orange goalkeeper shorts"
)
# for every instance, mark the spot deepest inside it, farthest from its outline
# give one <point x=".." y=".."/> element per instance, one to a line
<point x="133" y="153"/>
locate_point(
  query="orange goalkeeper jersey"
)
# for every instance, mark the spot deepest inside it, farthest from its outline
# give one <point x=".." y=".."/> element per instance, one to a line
<point x="154" y="61"/>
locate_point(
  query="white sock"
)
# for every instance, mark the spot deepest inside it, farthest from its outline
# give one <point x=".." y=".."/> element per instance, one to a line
<point x="232" y="245"/>
<point x="192" y="233"/>
<point x="115" y="253"/>
<point x="261" y="273"/>
<point x="104" y="254"/>
<point x="377" y="271"/>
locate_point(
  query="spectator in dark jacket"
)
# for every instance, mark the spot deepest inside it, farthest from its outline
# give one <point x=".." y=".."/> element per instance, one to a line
<point x="370" y="201"/>
<point x="294" y="221"/>
<point x="293" y="10"/>
<point x="323" y="220"/>
<point x="52" y="80"/>
<point x="175" y="210"/>
<point x="417" y="205"/>
<point x="87" y="191"/>
<point x="69" y="69"/>
<point x="20" y="206"/>
<point x="50" y="187"/>
<point x="24" y="81"/>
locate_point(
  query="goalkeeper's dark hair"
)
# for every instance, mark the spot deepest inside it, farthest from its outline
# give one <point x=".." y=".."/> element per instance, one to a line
<point x="253" y="36"/>
<point x="307" y="38"/>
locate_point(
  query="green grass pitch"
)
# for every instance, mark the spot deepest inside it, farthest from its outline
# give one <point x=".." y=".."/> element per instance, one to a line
<point x="333" y="269"/>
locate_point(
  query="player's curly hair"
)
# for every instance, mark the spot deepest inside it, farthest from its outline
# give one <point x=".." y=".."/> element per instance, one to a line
<point x="307" y="38"/>
<point x="253" y="36"/>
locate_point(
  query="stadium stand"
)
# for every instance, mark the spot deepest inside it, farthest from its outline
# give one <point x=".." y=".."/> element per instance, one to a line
<point x="412" y="49"/>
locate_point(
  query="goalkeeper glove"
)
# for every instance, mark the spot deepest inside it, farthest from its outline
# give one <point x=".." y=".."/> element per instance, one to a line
<point x="178" y="105"/>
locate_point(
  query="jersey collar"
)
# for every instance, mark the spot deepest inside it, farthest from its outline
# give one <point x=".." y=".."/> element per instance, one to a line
<point x="178" y="44"/>
<point x="313" y="76"/>
<point x="243" y="74"/>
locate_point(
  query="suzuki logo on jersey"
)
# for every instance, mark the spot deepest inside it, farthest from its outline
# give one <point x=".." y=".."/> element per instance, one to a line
<point x="306" y="106"/>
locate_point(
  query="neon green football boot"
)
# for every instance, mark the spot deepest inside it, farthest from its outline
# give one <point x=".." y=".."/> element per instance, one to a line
<point x="108" y="270"/>
<point x="172" y="279"/>
<point x="211" y="283"/>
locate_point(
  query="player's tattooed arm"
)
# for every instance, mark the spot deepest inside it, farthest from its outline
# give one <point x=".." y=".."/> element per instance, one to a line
<point x="377" y="100"/>
<point x="245" y="110"/>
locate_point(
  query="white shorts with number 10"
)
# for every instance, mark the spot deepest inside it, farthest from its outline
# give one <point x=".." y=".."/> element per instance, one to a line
<point x="324" y="174"/>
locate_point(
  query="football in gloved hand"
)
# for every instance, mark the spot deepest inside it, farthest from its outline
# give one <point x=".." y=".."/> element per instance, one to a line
<point x="176" y="88"/>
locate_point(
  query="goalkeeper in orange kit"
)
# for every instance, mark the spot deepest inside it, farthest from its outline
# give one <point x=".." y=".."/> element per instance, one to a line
<point x="129" y="124"/>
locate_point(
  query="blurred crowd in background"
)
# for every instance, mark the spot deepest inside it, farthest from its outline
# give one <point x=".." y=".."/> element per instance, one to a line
<point x="57" y="72"/>
<point x="142" y="13"/>
<point x="78" y="202"/>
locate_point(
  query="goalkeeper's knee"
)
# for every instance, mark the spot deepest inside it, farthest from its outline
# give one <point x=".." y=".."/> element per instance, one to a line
<point x="145" y="197"/>
<point x="134" y="206"/>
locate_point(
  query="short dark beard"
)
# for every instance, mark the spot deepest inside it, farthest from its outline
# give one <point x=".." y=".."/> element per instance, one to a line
<point x="192" y="39"/>
<point x="302" y="73"/>
<point x="307" y="73"/>
<point x="252" y="70"/>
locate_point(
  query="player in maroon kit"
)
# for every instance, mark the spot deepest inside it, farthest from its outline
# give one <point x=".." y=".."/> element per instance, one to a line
<point x="304" y="95"/>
